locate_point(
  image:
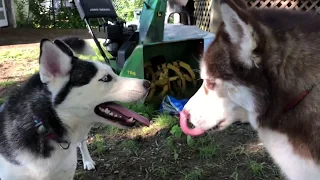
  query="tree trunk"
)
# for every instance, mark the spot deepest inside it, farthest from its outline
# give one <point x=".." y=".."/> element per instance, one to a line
<point x="10" y="13"/>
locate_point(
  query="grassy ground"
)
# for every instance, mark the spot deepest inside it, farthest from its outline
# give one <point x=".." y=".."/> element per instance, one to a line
<point x="160" y="151"/>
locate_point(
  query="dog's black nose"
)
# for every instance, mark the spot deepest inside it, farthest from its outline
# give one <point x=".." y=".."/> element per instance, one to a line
<point x="146" y="84"/>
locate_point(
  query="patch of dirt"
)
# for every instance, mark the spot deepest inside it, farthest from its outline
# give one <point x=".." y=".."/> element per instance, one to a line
<point x="14" y="73"/>
<point x="154" y="158"/>
<point x="16" y="70"/>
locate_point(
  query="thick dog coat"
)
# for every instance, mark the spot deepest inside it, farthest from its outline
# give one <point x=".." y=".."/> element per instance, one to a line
<point x="43" y="122"/>
<point x="263" y="68"/>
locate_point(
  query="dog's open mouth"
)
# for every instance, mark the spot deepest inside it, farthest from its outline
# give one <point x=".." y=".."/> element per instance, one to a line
<point x="119" y="114"/>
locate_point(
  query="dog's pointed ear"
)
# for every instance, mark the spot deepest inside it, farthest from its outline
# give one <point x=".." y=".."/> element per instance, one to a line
<point x="215" y="16"/>
<point x="64" y="47"/>
<point x="215" y="13"/>
<point x="241" y="31"/>
<point x="54" y="62"/>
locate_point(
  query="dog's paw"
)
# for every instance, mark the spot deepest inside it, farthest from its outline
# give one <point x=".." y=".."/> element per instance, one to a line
<point x="89" y="165"/>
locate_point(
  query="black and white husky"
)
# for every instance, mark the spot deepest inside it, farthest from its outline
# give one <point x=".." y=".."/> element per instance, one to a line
<point x="43" y="122"/>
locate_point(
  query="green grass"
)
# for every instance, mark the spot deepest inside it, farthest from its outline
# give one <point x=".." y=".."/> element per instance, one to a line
<point x="112" y="130"/>
<point x="165" y="120"/>
<point x="158" y="122"/>
<point x="6" y="84"/>
<point x="23" y="61"/>
<point x="19" y="54"/>
<point x="204" y="141"/>
<point x="145" y="110"/>
<point x="79" y="175"/>
<point x="176" y="131"/>
<point x="237" y="151"/>
<point x="196" y="174"/>
<point x="207" y="152"/>
<point x="131" y="147"/>
<point x="98" y="56"/>
<point x="235" y="175"/>
<point x="32" y="53"/>
<point x="99" y="146"/>
<point x="256" y="168"/>
<point x="160" y="171"/>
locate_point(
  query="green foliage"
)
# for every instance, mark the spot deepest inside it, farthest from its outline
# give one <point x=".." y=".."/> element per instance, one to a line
<point x="257" y="168"/>
<point x="176" y="131"/>
<point x="207" y="152"/>
<point x="165" y="120"/>
<point x="125" y="9"/>
<point x="99" y="146"/>
<point x="146" y="110"/>
<point x="190" y="141"/>
<point x="40" y="16"/>
<point x="171" y="143"/>
<point x="69" y="18"/>
<point x="235" y="175"/>
<point x="175" y="155"/>
<point x="20" y="13"/>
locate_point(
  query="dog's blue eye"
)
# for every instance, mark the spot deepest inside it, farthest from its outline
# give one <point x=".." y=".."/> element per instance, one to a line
<point x="106" y="78"/>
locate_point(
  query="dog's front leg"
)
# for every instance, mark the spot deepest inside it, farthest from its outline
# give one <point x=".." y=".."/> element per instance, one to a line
<point x="88" y="163"/>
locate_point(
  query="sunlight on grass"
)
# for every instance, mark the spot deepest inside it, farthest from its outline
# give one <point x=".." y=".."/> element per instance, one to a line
<point x="145" y="110"/>
<point x="98" y="56"/>
<point x="32" y="52"/>
<point x="165" y="121"/>
<point x="158" y="121"/>
<point x="161" y="121"/>
<point x="18" y="54"/>
<point x="19" y="63"/>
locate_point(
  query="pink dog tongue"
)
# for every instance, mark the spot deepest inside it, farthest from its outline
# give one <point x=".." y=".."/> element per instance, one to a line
<point x="128" y="113"/>
<point x="186" y="129"/>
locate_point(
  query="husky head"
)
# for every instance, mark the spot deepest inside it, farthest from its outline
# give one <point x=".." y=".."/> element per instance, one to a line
<point x="87" y="90"/>
<point x="234" y="87"/>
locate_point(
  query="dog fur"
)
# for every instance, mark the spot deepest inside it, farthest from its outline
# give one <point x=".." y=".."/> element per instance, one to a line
<point x="64" y="95"/>
<point x="260" y="61"/>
